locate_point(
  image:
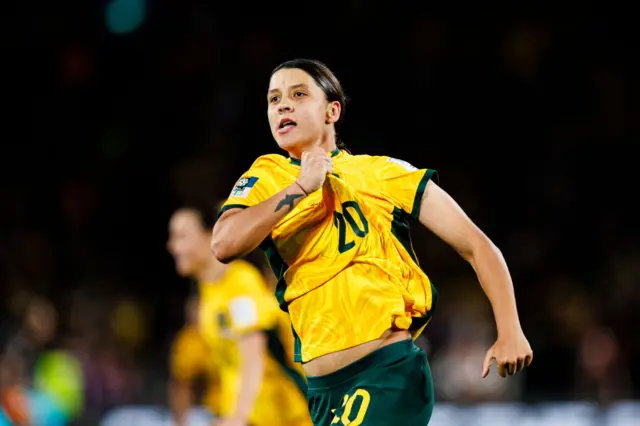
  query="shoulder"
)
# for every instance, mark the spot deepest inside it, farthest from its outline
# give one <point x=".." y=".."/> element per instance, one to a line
<point x="242" y="266"/>
<point x="245" y="276"/>
<point x="269" y="161"/>
<point x="360" y="160"/>
<point x="383" y="164"/>
<point x="187" y="337"/>
<point x="265" y="168"/>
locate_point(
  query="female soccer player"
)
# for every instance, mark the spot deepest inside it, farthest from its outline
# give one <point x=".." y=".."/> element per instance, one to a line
<point x="240" y="324"/>
<point x="334" y="226"/>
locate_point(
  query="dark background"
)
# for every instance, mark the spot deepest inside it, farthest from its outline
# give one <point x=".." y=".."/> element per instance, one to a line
<point x="528" y="111"/>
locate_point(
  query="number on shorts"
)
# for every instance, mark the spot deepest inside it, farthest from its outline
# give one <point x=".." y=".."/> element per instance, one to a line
<point x="347" y="403"/>
<point x="340" y="220"/>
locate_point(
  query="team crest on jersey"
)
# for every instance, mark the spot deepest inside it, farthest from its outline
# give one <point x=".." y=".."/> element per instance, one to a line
<point x="243" y="187"/>
<point x="224" y="325"/>
<point x="223" y="322"/>
<point x="404" y="164"/>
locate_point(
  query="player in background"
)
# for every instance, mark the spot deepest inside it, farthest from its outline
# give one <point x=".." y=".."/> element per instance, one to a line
<point x="335" y="228"/>
<point x="238" y="320"/>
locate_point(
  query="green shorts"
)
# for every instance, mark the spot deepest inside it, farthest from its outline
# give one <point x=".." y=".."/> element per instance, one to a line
<point x="390" y="386"/>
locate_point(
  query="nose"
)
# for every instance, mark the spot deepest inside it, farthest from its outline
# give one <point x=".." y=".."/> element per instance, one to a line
<point x="285" y="106"/>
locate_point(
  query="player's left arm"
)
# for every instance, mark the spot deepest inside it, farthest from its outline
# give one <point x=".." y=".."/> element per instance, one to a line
<point x="444" y="217"/>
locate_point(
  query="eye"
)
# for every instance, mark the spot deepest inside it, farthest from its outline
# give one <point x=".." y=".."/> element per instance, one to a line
<point x="299" y="94"/>
<point x="274" y="98"/>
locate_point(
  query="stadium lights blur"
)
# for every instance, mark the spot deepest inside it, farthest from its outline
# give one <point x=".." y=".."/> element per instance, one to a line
<point x="125" y="16"/>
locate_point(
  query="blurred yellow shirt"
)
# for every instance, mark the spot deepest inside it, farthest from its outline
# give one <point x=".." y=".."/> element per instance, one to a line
<point x="192" y="358"/>
<point x="237" y="304"/>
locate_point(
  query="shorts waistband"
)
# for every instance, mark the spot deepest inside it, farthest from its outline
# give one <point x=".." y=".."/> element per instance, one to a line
<point x="379" y="356"/>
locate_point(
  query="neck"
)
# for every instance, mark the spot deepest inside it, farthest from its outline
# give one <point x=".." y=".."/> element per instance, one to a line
<point x="326" y="142"/>
<point x="211" y="271"/>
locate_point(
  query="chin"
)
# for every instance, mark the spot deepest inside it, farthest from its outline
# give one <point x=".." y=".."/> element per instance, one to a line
<point x="183" y="271"/>
<point x="285" y="144"/>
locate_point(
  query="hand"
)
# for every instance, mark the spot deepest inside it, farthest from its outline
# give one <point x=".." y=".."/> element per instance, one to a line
<point x="229" y="421"/>
<point x="314" y="167"/>
<point x="511" y="353"/>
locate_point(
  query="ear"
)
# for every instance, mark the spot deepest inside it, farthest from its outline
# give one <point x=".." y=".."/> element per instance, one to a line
<point x="333" y="112"/>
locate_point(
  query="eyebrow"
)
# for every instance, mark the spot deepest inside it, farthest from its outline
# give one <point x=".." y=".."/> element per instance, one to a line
<point x="295" y="86"/>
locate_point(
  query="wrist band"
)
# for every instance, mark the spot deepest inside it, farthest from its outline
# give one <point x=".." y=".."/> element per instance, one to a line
<point x="301" y="187"/>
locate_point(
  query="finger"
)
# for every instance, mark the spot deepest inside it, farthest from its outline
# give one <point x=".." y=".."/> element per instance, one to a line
<point x="520" y="364"/>
<point x="486" y="365"/>
<point x="321" y="158"/>
<point x="329" y="164"/>
<point x="502" y="370"/>
<point x="528" y="360"/>
<point x="318" y="150"/>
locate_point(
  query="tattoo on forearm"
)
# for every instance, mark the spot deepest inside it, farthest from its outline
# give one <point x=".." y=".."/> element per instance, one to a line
<point x="288" y="200"/>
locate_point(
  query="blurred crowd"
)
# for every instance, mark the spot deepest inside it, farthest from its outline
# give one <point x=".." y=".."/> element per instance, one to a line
<point x="80" y="361"/>
<point x="529" y="122"/>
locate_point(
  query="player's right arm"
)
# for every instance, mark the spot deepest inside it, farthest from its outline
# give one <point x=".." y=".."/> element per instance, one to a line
<point x="250" y="214"/>
<point x="180" y="400"/>
<point x="186" y="362"/>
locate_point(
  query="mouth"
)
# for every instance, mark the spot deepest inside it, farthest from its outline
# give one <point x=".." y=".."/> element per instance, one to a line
<point x="286" y="124"/>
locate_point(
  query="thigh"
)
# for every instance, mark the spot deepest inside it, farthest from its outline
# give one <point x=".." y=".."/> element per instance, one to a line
<point x="397" y="394"/>
<point x="323" y="404"/>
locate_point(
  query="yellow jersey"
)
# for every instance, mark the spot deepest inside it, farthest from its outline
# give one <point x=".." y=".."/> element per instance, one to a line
<point x="343" y="256"/>
<point x="191" y="358"/>
<point x="237" y="304"/>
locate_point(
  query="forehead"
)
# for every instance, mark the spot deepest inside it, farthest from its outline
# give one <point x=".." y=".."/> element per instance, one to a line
<point x="288" y="77"/>
<point x="184" y="219"/>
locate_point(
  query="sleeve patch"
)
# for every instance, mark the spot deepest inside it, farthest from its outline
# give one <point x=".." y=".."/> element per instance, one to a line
<point x="243" y="312"/>
<point x="407" y="166"/>
<point x="243" y="187"/>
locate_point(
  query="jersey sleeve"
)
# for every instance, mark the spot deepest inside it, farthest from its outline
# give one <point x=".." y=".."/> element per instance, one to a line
<point x="188" y="355"/>
<point x="251" y="307"/>
<point x="254" y="186"/>
<point x="405" y="184"/>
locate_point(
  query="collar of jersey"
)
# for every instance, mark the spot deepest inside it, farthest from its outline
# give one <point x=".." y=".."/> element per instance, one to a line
<point x="296" y="162"/>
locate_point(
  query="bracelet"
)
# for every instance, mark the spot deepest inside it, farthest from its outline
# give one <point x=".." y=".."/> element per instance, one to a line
<point x="301" y="187"/>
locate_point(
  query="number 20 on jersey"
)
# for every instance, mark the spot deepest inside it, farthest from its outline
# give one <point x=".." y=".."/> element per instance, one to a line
<point x="346" y="218"/>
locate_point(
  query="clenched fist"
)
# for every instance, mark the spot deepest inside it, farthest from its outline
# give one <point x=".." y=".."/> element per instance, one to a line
<point x="512" y="353"/>
<point x="315" y="164"/>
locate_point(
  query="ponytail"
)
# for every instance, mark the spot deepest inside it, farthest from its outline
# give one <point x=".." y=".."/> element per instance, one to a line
<point x="341" y="145"/>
